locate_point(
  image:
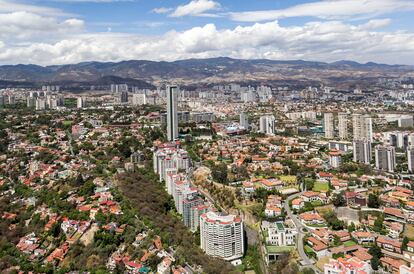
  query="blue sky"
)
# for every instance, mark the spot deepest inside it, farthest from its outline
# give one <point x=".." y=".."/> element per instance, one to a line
<point x="67" y="31"/>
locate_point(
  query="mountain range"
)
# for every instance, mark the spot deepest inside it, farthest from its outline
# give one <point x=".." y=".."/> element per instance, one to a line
<point x="190" y="72"/>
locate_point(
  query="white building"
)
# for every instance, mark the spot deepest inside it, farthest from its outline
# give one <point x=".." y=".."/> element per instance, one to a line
<point x="244" y="122"/>
<point x="328" y="125"/>
<point x="281" y="234"/>
<point x="385" y="158"/>
<point x="172" y="114"/>
<point x="362" y="151"/>
<point x="343" y="125"/>
<point x="139" y="99"/>
<point x="410" y="157"/>
<point x="222" y="235"/>
<point x="335" y="159"/>
<point x="362" y="126"/>
<point x="80" y="102"/>
<point x="267" y="124"/>
<point x="352" y="265"/>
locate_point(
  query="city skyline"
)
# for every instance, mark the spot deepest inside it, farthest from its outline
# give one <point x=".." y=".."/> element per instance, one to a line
<point x="48" y="32"/>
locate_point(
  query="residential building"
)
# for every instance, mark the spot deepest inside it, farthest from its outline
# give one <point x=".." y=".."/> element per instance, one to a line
<point x="328" y="125"/>
<point x="410" y="157"/>
<point x="385" y="158"/>
<point x="222" y="235"/>
<point x="362" y="151"/>
<point x="267" y="124"/>
<point x="343" y="125"/>
<point x="244" y="122"/>
<point x="172" y="115"/>
<point x="335" y="158"/>
<point x="362" y="127"/>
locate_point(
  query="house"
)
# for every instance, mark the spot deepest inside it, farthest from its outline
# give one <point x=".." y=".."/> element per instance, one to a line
<point x="320" y="249"/>
<point x="394" y="214"/>
<point x="409" y="253"/>
<point x="364" y="237"/>
<point x="311" y="218"/>
<point x="164" y="267"/>
<point x="389" y="244"/>
<point x="391" y="265"/>
<point x="312" y="196"/>
<point x="347" y="266"/>
<point x="298" y="203"/>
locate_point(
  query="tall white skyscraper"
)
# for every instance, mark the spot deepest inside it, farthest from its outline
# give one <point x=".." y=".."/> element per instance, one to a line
<point x="362" y="126"/>
<point x="343" y="125"/>
<point x="267" y="124"/>
<point x="221" y="235"/>
<point x="80" y="102"/>
<point x="362" y="151"/>
<point x="328" y="124"/>
<point x="244" y="122"/>
<point x="410" y="157"/>
<point x="172" y="114"/>
<point x="385" y="158"/>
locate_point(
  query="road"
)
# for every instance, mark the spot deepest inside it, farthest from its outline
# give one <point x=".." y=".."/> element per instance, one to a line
<point x="306" y="262"/>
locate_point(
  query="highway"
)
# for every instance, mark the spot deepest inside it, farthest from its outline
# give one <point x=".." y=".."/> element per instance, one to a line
<point x="306" y="262"/>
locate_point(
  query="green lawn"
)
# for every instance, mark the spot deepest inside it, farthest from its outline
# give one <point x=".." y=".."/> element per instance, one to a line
<point x="67" y="123"/>
<point x="349" y="243"/>
<point x="321" y="187"/>
<point x="308" y="249"/>
<point x="279" y="249"/>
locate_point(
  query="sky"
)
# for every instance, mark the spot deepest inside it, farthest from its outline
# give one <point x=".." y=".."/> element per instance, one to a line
<point x="54" y="32"/>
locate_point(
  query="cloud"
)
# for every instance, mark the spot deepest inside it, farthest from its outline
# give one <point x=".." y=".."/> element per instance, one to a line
<point x="324" y="41"/>
<point x="26" y="26"/>
<point x="162" y="10"/>
<point x="376" y="24"/>
<point x="7" y="6"/>
<point x="329" y="9"/>
<point x="196" y="8"/>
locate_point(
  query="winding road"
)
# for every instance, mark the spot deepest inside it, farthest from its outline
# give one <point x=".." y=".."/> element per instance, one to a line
<point x="306" y="262"/>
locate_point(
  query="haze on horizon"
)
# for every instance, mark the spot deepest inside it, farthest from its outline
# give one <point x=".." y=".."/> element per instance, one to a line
<point x="51" y="32"/>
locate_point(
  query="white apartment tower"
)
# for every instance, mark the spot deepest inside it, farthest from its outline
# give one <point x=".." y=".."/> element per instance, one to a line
<point x="80" y="102"/>
<point x="267" y="124"/>
<point x="410" y="157"/>
<point x="328" y="125"/>
<point x="362" y="151"/>
<point x="221" y="235"/>
<point x="343" y="125"/>
<point x="385" y="158"/>
<point x="172" y="114"/>
<point x="244" y="122"/>
<point x="362" y="126"/>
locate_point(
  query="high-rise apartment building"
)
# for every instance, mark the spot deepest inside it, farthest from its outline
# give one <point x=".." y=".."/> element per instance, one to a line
<point x="328" y="125"/>
<point x="362" y="126"/>
<point x="172" y="114"/>
<point x="362" y="151"/>
<point x="244" y="122"/>
<point x="80" y="102"/>
<point x="343" y="125"/>
<point x="385" y="158"/>
<point x="221" y="235"/>
<point x="410" y="157"/>
<point x="267" y="124"/>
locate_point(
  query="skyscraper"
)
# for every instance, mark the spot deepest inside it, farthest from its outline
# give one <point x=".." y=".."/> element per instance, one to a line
<point x="343" y="125"/>
<point x="244" y="122"/>
<point x="172" y="114"/>
<point x="385" y="158"/>
<point x="80" y="102"/>
<point x="221" y="235"/>
<point x="362" y="151"/>
<point x="410" y="157"/>
<point x="267" y="124"/>
<point x="328" y="122"/>
<point x="362" y="126"/>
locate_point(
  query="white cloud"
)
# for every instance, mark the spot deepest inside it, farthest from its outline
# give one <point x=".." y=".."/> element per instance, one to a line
<point x="7" y="6"/>
<point x="376" y="24"/>
<point x="26" y="26"/>
<point x="196" y="8"/>
<point x="329" y="9"/>
<point x="324" y="41"/>
<point x="162" y="10"/>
